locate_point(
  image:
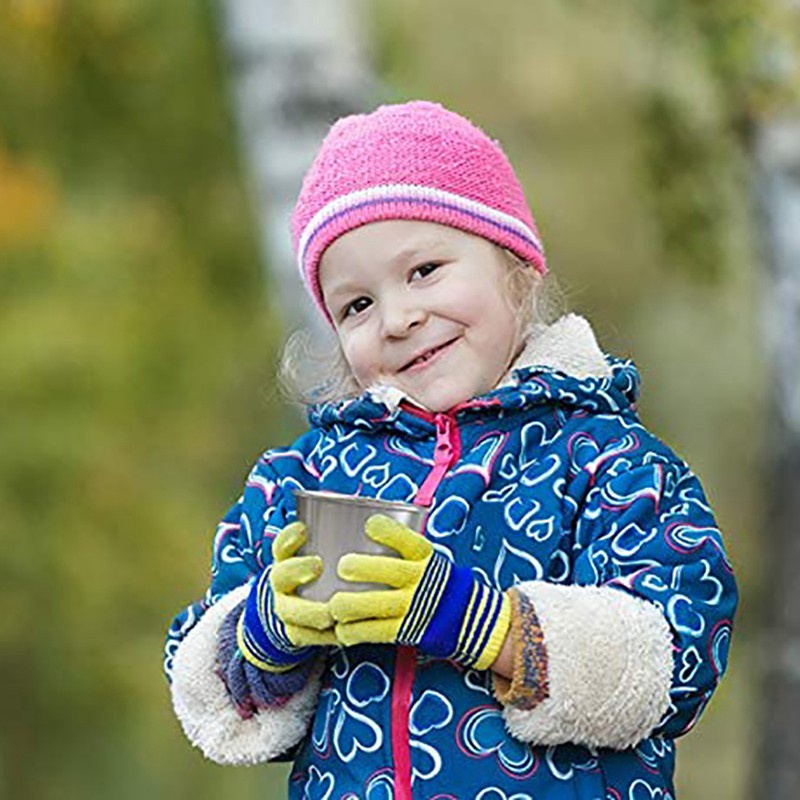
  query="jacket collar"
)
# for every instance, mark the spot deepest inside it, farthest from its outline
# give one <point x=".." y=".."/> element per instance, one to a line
<point x="561" y="362"/>
<point x="567" y="345"/>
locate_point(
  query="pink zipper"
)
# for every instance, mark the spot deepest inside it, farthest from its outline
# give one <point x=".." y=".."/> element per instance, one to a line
<point x="446" y="452"/>
<point x="404" y="666"/>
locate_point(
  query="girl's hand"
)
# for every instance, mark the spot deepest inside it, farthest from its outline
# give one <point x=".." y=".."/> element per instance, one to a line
<point x="306" y="622"/>
<point x="277" y="629"/>
<point x="433" y="604"/>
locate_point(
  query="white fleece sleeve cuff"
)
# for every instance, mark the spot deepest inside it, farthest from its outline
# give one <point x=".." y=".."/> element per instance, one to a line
<point x="609" y="667"/>
<point x="206" y="713"/>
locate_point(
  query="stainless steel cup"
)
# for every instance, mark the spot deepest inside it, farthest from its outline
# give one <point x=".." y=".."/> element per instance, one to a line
<point x="335" y="526"/>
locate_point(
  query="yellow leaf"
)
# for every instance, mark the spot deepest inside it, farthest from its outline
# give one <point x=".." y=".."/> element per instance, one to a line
<point x="27" y="201"/>
<point x="36" y="13"/>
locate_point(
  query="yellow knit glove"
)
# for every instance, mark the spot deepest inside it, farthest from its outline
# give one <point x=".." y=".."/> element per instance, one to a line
<point x="307" y="622"/>
<point x="433" y="604"/>
<point x="277" y="628"/>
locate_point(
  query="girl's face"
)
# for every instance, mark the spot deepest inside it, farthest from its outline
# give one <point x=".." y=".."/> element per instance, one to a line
<point x="422" y="307"/>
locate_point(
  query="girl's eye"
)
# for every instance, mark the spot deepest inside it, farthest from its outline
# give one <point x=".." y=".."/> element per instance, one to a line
<point x="358" y="305"/>
<point x="425" y="269"/>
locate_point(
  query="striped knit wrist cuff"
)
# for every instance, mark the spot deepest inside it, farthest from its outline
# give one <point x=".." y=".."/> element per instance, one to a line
<point x="484" y="624"/>
<point x="454" y="615"/>
<point x="497" y="634"/>
<point x="261" y="635"/>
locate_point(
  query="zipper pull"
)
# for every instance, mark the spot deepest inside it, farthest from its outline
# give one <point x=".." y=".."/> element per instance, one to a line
<point x="443" y="449"/>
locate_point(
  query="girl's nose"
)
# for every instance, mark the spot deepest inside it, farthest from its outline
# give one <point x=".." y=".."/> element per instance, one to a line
<point x="398" y="318"/>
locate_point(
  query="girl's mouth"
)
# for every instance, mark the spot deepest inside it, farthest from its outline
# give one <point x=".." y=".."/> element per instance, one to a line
<point x="420" y="363"/>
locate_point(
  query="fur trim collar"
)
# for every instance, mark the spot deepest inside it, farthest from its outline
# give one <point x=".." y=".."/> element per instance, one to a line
<point x="568" y="345"/>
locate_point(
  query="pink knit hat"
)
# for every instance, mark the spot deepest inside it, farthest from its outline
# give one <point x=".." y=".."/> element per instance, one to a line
<point x="414" y="161"/>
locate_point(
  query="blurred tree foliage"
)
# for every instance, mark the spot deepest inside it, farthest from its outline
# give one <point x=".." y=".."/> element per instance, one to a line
<point x="746" y="47"/>
<point x="135" y="359"/>
<point x="137" y="335"/>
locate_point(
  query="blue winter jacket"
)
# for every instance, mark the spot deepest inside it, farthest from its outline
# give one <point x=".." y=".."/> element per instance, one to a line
<point x="548" y="483"/>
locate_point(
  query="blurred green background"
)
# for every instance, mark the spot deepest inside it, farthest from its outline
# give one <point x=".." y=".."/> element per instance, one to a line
<point x="138" y="339"/>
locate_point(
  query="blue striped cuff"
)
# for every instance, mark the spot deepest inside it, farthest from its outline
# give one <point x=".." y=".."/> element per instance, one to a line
<point x="262" y="636"/>
<point x="443" y="619"/>
<point x="464" y="617"/>
<point x="425" y="601"/>
<point x="483" y="614"/>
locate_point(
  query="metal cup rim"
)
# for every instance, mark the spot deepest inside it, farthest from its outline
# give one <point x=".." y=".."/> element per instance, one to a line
<point x="355" y="500"/>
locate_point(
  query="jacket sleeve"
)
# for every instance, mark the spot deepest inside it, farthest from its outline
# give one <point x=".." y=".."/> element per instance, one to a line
<point x="637" y="641"/>
<point x="200" y="697"/>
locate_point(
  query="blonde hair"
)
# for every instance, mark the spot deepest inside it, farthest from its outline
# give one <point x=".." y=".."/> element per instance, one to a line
<point x="310" y="373"/>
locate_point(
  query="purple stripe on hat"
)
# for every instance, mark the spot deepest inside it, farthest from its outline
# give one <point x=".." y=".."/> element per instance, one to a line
<point x="421" y="201"/>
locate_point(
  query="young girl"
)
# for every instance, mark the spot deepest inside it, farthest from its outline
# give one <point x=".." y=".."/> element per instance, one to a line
<point x="567" y="613"/>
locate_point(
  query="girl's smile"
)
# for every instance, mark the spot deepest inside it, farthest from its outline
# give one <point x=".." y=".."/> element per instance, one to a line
<point x="422" y="307"/>
<point x="428" y="357"/>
